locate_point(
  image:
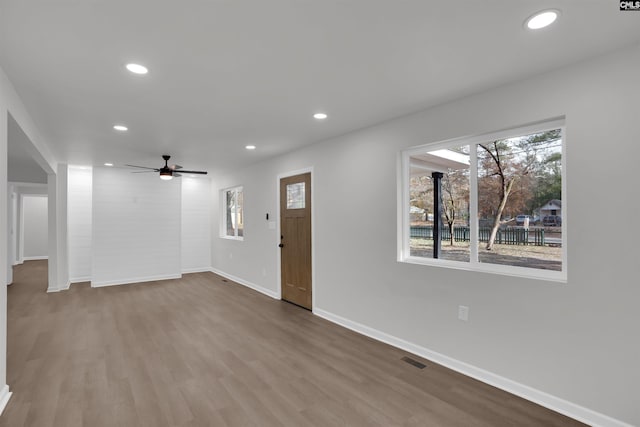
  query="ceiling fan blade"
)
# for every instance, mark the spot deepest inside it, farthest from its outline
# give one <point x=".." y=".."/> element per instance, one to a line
<point x="176" y="174"/>
<point x="174" y="167"/>
<point x="198" y="172"/>
<point x="142" y="167"/>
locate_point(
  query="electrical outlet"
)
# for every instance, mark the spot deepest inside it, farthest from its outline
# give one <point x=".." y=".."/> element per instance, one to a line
<point x="463" y="313"/>
<point x="230" y="255"/>
<point x="264" y="272"/>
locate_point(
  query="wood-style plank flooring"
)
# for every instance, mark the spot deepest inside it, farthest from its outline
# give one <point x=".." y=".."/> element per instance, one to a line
<point x="202" y="351"/>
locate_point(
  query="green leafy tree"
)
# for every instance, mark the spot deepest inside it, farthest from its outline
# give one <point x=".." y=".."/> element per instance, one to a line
<point x="549" y="180"/>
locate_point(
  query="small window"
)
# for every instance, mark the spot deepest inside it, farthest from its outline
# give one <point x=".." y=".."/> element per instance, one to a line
<point x="295" y="196"/>
<point x="489" y="203"/>
<point x="233" y="214"/>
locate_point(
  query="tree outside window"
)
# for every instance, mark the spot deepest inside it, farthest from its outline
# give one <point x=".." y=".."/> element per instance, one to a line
<point x="233" y="224"/>
<point x="495" y="217"/>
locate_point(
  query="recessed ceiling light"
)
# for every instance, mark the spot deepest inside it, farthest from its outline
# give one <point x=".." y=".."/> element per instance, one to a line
<point x="137" y="68"/>
<point x="320" y="116"/>
<point x="121" y="128"/>
<point x="108" y="164"/>
<point x="250" y="147"/>
<point x="542" y="19"/>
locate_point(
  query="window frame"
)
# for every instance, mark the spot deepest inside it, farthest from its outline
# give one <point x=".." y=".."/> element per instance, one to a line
<point x="404" y="221"/>
<point x="223" y="212"/>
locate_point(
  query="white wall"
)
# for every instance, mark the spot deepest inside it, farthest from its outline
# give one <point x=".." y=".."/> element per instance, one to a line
<point x="136" y="227"/>
<point x="79" y="216"/>
<point x="12" y="229"/>
<point x="34" y="228"/>
<point x="196" y="224"/>
<point x="10" y="103"/>
<point x="58" y="266"/>
<point x="6" y="92"/>
<point x="570" y="346"/>
<point x="195" y="218"/>
<point x="24" y="189"/>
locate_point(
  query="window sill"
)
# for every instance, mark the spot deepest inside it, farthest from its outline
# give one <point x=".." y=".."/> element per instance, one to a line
<point x="504" y="270"/>
<point x="232" y="238"/>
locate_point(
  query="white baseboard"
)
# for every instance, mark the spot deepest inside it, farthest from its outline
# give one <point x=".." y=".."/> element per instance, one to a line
<point x="34" y="258"/>
<point x="5" y="395"/>
<point x="80" y="279"/>
<point x="554" y="403"/>
<point x="134" y="280"/>
<point x="64" y="287"/>
<point x="196" y="270"/>
<point x="262" y="290"/>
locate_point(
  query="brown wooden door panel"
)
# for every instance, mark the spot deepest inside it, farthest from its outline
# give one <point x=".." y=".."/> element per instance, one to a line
<point x="295" y="230"/>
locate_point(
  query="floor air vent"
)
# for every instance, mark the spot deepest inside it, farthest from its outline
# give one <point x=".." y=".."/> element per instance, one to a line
<point x="415" y="363"/>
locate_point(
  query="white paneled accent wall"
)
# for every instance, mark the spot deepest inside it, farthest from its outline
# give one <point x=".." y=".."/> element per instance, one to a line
<point x="79" y="223"/>
<point x="196" y="224"/>
<point x="136" y="227"/>
<point x="34" y="239"/>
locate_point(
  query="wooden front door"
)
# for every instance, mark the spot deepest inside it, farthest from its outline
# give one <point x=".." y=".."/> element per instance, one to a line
<point x="295" y="239"/>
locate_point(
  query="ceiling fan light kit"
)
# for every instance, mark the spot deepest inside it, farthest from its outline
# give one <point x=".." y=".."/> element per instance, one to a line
<point x="167" y="172"/>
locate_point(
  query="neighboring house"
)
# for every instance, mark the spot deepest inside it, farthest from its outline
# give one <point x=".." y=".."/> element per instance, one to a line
<point x="417" y="214"/>
<point x="552" y="207"/>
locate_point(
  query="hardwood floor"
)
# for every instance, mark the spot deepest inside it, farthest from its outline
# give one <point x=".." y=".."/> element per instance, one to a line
<point x="201" y="351"/>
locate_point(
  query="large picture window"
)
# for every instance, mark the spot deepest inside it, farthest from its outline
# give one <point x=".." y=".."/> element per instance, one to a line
<point x="232" y="214"/>
<point x="489" y="203"/>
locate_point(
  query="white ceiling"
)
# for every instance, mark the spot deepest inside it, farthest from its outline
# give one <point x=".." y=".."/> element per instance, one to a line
<point x="226" y="73"/>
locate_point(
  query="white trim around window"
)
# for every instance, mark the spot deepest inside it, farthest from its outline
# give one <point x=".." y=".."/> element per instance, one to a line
<point x="404" y="253"/>
<point x="232" y="213"/>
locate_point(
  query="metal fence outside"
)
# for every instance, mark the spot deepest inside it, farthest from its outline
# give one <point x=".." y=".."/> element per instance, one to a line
<point x="508" y="235"/>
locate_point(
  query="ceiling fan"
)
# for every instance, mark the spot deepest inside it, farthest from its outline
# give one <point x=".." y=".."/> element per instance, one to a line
<point x="167" y="171"/>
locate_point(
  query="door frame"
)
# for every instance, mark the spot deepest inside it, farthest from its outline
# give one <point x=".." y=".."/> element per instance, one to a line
<point x="22" y="197"/>
<point x="279" y="233"/>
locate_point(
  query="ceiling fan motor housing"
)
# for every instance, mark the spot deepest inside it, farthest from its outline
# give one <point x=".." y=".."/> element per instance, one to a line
<point x="167" y="172"/>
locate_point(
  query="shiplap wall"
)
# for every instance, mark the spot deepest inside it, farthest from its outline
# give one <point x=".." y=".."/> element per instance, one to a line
<point x="136" y="227"/>
<point x="34" y="227"/>
<point x="79" y="223"/>
<point x="196" y="224"/>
